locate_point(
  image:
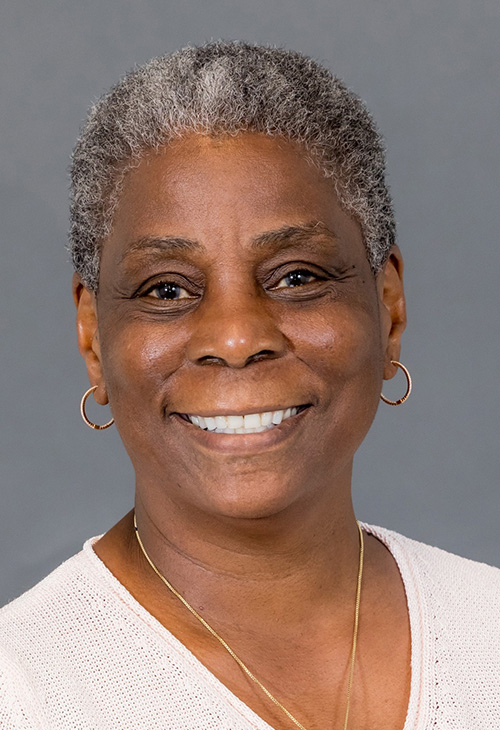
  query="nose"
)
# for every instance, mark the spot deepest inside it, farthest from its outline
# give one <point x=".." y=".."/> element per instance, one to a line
<point x="235" y="332"/>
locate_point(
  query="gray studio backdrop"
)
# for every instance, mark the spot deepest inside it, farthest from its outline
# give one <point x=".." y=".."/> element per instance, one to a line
<point x="429" y="70"/>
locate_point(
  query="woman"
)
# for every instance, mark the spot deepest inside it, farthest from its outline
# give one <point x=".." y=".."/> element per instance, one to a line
<point x="240" y="301"/>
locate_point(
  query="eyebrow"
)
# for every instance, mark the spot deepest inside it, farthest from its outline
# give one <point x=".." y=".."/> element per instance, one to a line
<point x="292" y="235"/>
<point x="162" y="243"/>
<point x="276" y="239"/>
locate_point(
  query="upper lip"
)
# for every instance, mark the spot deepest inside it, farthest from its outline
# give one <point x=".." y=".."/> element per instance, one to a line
<point x="241" y="411"/>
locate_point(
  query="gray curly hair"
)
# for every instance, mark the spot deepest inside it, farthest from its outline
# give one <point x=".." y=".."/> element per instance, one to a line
<point x="225" y="88"/>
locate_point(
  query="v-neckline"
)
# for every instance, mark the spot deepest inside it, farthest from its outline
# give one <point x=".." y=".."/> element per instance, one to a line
<point x="417" y="710"/>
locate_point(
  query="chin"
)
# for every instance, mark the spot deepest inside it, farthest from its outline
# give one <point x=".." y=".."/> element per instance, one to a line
<point x="250" y="503"/>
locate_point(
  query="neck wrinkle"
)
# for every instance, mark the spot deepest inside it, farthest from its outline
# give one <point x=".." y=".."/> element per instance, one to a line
<point x="295" y="563"/>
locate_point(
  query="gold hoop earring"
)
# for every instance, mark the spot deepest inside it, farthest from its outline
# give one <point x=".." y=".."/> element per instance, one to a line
<point x="89" y="423"/>
<point x="408" y="388"/>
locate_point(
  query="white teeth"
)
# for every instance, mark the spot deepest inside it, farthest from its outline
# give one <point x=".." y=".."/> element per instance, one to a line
<point x="266" y="418"/>
<point x="250" y="423"/>
<point x="277" y="417"/>
<point x="252" y="420"/>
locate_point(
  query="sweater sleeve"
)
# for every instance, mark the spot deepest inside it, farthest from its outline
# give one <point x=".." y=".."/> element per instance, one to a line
<point x="16" y="705"/>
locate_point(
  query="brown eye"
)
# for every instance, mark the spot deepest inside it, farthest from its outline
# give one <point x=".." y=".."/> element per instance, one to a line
<point x="168" y="290"/>
<point x="299" y="277"/>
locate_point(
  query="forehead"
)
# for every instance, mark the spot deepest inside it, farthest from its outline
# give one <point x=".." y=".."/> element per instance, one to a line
<point x="211" y="188"/>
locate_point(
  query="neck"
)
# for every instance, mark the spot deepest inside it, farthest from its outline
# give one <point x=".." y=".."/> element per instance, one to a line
<point x="304" y="555"/>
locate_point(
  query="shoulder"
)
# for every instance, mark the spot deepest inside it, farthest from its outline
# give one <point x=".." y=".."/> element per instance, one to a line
<point x="447" y="573"/>
<point x="62" y="582"/>
<point x="454" y="607"/>
<point x="55" y="606"/>
<point x="31" y="628"/>
<point x="465" y="591"/>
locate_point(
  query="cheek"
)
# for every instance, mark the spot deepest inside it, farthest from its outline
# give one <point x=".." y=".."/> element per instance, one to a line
<point x="342" y="343"/>
<point x="342" y="347"/>
<point x="138" y="359"/>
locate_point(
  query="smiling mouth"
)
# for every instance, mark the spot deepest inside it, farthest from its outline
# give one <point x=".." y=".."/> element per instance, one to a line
<point x="249" y="423"/>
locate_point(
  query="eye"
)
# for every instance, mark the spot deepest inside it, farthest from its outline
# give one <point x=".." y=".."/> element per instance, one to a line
<point x="297" y="277"/>
<point x="167" y="291"/>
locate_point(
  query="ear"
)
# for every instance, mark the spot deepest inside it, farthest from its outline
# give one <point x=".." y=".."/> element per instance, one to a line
<point x="392" y="309"/>
<point x="88" y="337"/>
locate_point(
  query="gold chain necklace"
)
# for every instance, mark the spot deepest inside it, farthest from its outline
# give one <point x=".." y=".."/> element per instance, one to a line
<point x="236" y="657"/>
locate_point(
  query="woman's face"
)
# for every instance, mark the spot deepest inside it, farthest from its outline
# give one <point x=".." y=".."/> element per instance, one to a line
<point x="232" y="284"/>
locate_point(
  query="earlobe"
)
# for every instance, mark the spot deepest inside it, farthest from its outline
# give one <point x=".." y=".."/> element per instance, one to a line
<point x="88" y="337"/>
<point x="392" y="309"/>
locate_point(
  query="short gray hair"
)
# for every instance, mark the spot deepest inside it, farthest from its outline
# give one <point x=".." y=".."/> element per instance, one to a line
<point x="218" y="88"/>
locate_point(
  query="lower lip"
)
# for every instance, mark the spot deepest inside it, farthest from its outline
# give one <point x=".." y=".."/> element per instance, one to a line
<point x="243" y="442"/>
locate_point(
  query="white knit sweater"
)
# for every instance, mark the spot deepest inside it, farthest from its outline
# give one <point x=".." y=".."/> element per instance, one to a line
<point x="78" y="652"/>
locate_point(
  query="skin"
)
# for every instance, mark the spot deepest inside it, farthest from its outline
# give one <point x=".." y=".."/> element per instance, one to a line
<point x="256" y="531"/>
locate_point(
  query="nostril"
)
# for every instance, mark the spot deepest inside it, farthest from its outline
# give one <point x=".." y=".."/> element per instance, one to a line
<point x="256" y="357"/>
<point x="262" y="355"/>
<point x="211" y="360"/>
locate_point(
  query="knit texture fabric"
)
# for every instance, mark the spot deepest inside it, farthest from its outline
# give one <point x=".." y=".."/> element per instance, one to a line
<point x="78" y="651"/>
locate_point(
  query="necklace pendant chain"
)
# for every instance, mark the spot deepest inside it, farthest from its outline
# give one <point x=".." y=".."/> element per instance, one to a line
<point x="240" y="663"/>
